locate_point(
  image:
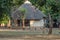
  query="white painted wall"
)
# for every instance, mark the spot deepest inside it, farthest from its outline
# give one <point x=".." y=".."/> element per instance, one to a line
<point x="39" y="23"/>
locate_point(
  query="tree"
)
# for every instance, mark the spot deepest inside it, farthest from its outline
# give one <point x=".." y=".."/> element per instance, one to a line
<point x="22" y="16"/>
<point x="5" y="10"/>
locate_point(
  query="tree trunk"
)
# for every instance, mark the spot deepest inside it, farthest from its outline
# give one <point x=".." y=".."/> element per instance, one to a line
<point x="50" y="24"/>
<point x="23" y="23"/>
<point x="9" y="24"/>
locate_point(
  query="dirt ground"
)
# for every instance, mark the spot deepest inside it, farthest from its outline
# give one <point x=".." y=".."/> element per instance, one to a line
<point x="8" y="34"/>
<point x="28" y="39"/>
<point x="37" y="37"/>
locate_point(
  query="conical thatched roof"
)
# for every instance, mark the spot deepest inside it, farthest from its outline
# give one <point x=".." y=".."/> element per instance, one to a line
<point x="31" y="13"/>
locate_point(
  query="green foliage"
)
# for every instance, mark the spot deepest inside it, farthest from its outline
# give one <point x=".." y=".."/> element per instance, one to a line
<point x="23" y="12"/>
<point x="46" y="6"/>
<point x="51" y="7"/>
<point x="4" y="11"/>
<point x="18" y="2"/>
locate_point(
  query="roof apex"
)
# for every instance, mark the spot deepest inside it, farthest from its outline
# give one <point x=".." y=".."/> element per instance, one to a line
<point x="27" y="2"/>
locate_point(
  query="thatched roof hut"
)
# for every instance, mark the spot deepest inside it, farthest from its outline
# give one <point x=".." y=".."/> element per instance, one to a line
<point x="31" y="13"/>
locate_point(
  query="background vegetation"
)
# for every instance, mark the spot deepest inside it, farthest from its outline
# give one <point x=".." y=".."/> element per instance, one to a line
<point x="46" y="6"/>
